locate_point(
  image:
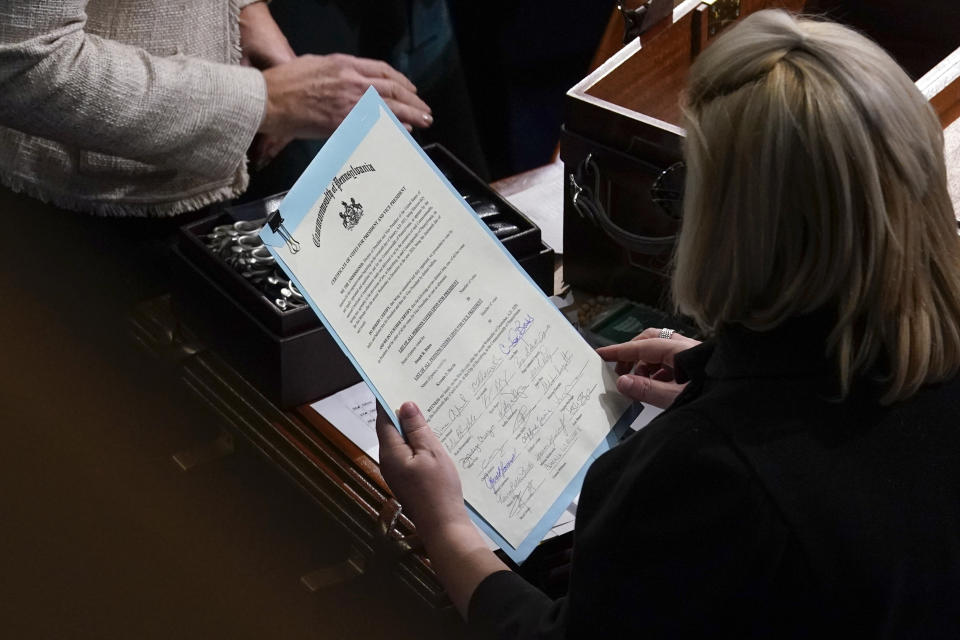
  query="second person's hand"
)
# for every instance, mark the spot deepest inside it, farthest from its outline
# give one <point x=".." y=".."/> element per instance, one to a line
<point x="310" y="96"/>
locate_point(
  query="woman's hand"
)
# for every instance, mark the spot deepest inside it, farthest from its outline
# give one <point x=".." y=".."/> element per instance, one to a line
<point x="310" y="96"/>
<point x="645" y="366"/>
<point x="420" y="472"/>
<point x="423" y="478"/>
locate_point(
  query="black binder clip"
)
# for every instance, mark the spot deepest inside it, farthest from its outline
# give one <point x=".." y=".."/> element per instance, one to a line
<point x="275" y="222"/>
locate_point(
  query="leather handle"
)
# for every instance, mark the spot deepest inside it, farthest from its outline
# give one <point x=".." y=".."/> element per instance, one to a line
<point x="585" y="200"/>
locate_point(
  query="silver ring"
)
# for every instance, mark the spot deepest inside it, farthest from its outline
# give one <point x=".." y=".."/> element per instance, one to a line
<point x="665" y="333"/>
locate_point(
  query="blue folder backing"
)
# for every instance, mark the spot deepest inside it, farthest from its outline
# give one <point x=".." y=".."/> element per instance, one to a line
<point x="321" y="171"/>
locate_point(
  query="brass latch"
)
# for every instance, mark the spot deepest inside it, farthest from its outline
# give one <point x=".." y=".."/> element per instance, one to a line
<point x="722" y="13"/>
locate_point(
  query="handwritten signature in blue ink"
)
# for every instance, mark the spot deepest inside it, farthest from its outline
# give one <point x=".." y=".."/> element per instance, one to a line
<point x="501" y="469"/>
<point x="515" y="335"/>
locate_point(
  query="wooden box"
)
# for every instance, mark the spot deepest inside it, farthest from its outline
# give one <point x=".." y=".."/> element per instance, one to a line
<point x="623" y="127"/>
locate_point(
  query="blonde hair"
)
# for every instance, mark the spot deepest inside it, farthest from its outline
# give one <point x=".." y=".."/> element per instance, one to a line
<point x="816" y="180"/>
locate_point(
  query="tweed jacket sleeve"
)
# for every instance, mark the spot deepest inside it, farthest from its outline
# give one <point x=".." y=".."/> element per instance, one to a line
<point x="60" y="82"/>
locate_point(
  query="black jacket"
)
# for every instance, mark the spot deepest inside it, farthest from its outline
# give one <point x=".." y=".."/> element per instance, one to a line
<point x="760" y="506"/>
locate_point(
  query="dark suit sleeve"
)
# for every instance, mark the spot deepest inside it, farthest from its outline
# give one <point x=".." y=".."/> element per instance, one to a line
<point x="505" y="605"/>
<point x="675" y="537"/>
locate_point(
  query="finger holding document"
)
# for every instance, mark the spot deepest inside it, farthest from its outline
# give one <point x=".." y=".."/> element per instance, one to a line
<point x="651" y="361"/>
<point x="424" y="479"/>
<point x="419" y="470"/>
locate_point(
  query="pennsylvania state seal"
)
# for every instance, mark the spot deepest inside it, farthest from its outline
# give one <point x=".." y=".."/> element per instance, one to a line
<point x="351" y="214"/>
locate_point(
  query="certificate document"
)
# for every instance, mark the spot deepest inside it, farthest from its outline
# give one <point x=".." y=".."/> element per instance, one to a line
<point x="431" y="308"/>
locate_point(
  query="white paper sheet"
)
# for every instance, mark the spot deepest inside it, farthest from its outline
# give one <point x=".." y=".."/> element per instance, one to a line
<point x="543" y="203"/>
<point x="353" y="412"/>
<point x="430" y="307"/>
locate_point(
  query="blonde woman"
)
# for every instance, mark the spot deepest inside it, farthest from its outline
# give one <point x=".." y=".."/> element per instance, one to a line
<point x="806" y="481"/>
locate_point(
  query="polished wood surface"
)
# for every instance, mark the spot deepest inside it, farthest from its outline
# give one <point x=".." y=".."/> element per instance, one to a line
<point x="613" y="34"/>
<point x="920" y="37"/>
<point x="947" y="103"/>
<point x="652" y="80"/>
